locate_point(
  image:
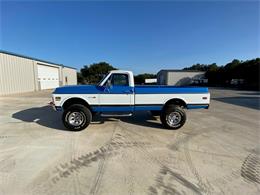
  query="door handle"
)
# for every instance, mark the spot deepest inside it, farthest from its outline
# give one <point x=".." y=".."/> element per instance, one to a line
<point x="128" y="91"/>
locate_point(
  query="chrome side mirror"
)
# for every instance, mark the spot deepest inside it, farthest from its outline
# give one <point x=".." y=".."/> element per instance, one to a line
<point x="108" y="84"/>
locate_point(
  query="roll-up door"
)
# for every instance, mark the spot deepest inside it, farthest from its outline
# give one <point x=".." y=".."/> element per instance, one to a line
<point x="48" y="77"/>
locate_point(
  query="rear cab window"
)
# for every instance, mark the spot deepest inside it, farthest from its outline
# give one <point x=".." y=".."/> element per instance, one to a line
<point x="119" y="79"/>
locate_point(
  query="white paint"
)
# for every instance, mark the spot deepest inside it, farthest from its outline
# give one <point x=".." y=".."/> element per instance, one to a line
<point x="119" y="99"/>
<point x="124" y="99"/>
<point x="48" y="76"/>
<point x="150" y="80"/>
<point x="163" y="98"/>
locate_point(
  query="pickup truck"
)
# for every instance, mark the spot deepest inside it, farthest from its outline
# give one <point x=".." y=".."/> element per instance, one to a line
<point x="116" y="95"/>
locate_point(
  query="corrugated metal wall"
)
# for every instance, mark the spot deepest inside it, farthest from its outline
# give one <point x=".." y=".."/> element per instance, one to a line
<point x="161" y="77"/>
<point x="69" y="76"/>
<point x="19" y="74"/>
<point x="178" y="77"/>
<point x="16" y="74"/>
<point x="182" y="78"/>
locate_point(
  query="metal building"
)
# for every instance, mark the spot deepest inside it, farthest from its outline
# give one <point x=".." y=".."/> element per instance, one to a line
<point x="179" y="77"/>
<point x="19" y="73"/>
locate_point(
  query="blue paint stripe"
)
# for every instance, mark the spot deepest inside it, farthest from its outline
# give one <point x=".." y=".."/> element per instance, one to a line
<point x="92" y="89"/>
<point x="197" y="106"/>
<point x="139" y="108"/>
<point x="169" y="90"/>
<point x="121" y="108"/>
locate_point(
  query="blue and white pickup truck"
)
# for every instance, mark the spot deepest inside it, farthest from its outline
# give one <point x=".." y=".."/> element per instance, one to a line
<point x="116" y="95"/>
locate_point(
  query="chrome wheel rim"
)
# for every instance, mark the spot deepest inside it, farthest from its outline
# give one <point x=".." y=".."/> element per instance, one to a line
<point x="173" y="119"/>
<point x="76" y="118"/>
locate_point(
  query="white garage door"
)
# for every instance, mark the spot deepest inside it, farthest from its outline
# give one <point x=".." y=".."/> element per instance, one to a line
<point x="48" y="77"/>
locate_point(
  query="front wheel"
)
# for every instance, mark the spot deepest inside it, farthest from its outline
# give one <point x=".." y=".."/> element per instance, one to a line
<point x="76" y="117"/>
<point x="173" y="117"/>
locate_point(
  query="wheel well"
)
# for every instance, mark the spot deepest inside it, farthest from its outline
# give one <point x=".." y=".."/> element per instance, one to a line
<point x="71" y="101"/>
<point x="176" y="101"/>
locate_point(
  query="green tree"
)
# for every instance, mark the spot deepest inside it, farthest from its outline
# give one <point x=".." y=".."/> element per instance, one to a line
<point x="248" y="70"/>
<point x="212" y="73"/>
<point x="140" y="79"/>
<point x="198" y="67"/>
<point x="80" y="78"/>
<point x="232" y="70"/>
<point x="232" y="65"/>
<point x="94" y="72"/>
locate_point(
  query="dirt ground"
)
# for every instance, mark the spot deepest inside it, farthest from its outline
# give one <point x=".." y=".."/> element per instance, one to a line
<point x="216" y="152"/>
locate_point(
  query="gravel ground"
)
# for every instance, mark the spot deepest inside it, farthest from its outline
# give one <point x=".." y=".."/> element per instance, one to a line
<point x="216" y="152"/>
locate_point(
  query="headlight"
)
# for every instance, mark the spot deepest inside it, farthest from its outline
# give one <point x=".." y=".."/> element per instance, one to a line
<point x="57" y="98"/>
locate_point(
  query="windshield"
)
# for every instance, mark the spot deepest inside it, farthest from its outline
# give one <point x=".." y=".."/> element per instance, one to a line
<point x="102" y="79"/>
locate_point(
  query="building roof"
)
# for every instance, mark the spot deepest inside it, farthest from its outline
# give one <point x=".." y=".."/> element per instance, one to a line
<point x="174" y="70"/>
<point x="32" y="58"/>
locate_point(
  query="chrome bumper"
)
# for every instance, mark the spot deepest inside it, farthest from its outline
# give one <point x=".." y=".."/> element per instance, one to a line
<point x="53" y="106"/>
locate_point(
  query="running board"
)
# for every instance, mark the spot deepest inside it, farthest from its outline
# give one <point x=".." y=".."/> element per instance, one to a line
<point x="116" y="115"/>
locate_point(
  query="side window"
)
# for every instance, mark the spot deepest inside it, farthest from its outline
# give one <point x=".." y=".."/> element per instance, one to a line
<point x="120" y="80"/>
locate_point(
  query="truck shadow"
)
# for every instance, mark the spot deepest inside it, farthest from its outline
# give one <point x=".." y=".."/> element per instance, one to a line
<point x="44" y="116"/>
<point x="250" y="93"/>
<point x="245" y="101"/>
<point x="144" y="119"/>
<point x="47" y="117"/>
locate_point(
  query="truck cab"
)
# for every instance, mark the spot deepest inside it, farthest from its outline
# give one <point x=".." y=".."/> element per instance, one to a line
<point x="117" y="89"/>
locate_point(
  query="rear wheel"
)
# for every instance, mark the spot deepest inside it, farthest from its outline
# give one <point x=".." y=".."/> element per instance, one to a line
<point x="76" y="117"/>
<point x="173" y="117"/>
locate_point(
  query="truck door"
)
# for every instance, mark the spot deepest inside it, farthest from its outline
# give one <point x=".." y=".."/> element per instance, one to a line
<point x="117" y="94"/>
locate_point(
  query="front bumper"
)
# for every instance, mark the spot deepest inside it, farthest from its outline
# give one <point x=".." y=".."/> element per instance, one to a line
<point x="56" y="108"/>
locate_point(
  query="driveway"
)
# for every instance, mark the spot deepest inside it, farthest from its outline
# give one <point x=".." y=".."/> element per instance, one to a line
<point x="216" y="151"/>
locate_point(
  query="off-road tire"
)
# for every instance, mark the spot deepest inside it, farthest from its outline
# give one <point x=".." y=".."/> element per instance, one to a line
<point x="85" y="113"/>
<point x="171" y="109"/>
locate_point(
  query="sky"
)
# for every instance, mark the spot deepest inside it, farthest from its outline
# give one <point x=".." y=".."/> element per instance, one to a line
<point x="142" y="36"/>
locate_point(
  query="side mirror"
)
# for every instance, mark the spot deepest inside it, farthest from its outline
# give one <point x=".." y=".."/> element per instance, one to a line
<point x="108" y="84"/>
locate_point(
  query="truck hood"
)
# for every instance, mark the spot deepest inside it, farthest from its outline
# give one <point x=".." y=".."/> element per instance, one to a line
<point x="77" y="89"/>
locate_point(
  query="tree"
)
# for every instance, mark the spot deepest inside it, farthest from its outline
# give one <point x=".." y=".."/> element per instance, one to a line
<point x="94" y="72"/>
<point x="248" y="70"/>
<point x="232" y="65"/>
<point x="212" y="74"/>
<point x="198" y="67"/>
<point x="232" y="70"/>
<point x="140" y="79"/>
<point x="80" y="78"/>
